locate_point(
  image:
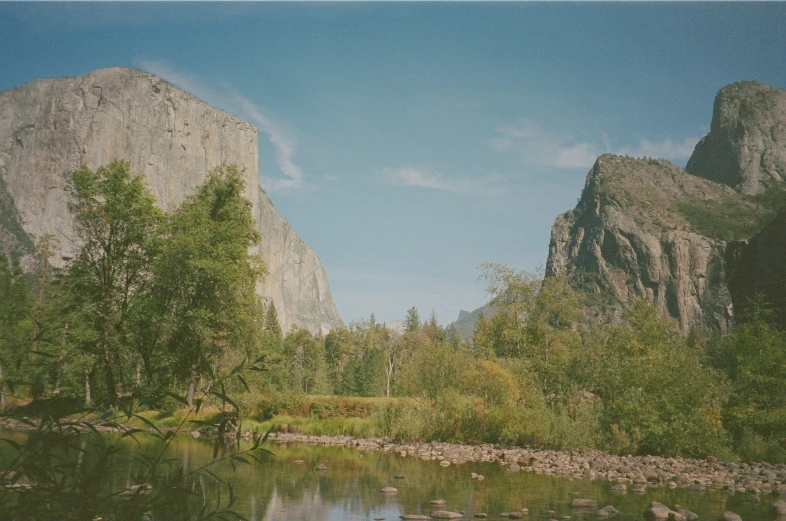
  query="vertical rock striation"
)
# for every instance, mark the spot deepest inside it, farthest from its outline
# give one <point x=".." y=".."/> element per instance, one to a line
<point x="627" y="240"/>
<point x="51" y="127"/>
<point x="648" y="229"/>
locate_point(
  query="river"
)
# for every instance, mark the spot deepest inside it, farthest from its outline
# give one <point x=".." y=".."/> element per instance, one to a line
<point x="287" y="486"/>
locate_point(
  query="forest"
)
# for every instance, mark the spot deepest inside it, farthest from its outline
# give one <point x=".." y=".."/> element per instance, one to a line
<point x="160" y="308"/>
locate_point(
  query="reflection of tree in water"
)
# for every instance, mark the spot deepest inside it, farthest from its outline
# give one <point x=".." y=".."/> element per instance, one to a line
<point x="350" y="488"/>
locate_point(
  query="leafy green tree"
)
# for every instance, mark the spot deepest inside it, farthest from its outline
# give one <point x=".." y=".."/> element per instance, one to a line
<point x="115" y="220"/>
<point x="205" y="278"/>
<point x="16" y="325"/>
<point x="754" y="357"/>
<point x="534" y="320"/>
<point x="305" y="358"/>
<point x="657" y="396"/>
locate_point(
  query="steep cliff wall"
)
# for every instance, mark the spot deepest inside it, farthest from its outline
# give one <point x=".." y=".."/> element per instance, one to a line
<point x="297" y="283"/>
<point x="746" y="145"/>
<point x="635" y="234"/>
<point x="52" y="127"/>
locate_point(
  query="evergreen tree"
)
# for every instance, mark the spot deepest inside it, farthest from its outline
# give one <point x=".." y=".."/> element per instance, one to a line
<point x="412" y="320"/>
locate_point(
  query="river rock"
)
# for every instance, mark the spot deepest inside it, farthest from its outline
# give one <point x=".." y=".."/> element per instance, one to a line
<point x="444" y="463"/>
<point x="687" y="515"/>
<point x="438" y="502"/>
<point x="446" y="514"/>
<point x="414" y="517"/>
<point x="607" y="511"/>
<point x="389" y="490"/>
<point x="779" y="507"/>
<point x="657" y="510"/>
<point x="620" y="487"/>
<point x="481" y="514"/>
<point x="512" y="515"/>
<point x="584" y="503"/>
<point x="321" y="467"/>
<point x="730" y="516"/>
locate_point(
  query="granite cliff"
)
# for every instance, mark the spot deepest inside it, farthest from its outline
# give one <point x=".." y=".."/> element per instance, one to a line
<point x="746" y="146"/>
<point x="647" y="229"/>
<point x="51" y="127"/>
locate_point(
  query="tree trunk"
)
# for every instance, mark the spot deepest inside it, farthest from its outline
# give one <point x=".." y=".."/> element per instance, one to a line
<point x="108" y="376"/>
<point x="192" y="386"/>
<point x="88" y="397"/>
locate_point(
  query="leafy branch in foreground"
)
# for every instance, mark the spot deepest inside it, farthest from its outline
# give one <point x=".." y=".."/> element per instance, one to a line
<point x="62" y="465"/>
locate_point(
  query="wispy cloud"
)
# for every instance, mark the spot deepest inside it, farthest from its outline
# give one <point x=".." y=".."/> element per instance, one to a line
<point x="666" y="149"/>
<point x="423" y="178"/>
<point x="540" y="147"/>
<point x="284" y="145"/>
<point x="228" y="98"/>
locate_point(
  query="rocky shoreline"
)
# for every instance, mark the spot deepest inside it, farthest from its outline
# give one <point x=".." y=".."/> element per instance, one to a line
<point x="636" y="472"/>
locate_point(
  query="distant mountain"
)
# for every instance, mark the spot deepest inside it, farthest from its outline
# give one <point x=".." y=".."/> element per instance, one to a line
<point x="465" y="323"/>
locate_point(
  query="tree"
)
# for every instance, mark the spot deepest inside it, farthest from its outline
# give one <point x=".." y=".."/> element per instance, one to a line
<point x="306" y="359"/>
<point x="412" y="321"/>
<point x="205" y="278"/>
<point x="16" y="324"/>
<point x="115" y="221"/>
<point x="657" y="397"/>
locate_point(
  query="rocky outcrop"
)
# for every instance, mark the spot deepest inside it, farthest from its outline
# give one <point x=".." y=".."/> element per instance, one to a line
<point x="746" y="145"/>
<point x="632" y="236"/>
<point x="51" y="127"/>
<point x="756" y="266"/>
<point x="646" y="229"/>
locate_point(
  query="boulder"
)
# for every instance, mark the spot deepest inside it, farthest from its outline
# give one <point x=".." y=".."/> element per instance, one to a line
<point x="607" y="511"/>
<point x="657" y="510"/>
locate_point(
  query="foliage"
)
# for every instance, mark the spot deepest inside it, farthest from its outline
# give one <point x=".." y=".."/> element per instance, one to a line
<point x="63" y="466"/>
<point x="732" y="220"/>
<point x="657" y="397"/>
<point x="204" y="279"/>
<point x="115" y="218"/>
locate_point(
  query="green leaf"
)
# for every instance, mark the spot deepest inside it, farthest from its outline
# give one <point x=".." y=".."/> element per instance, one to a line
<point x="149" y="424"/>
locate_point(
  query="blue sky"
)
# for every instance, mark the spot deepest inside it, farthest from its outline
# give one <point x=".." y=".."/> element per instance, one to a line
<point x="407" y="143"/>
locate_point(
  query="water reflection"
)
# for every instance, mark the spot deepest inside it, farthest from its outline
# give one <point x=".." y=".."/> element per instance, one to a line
<point x="288" y="486"/>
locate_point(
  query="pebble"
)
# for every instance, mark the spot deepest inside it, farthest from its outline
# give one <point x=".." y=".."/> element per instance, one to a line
<point x="672" y="472"/>
<point x="446" y="514"/>
<point x="389" y="490"/>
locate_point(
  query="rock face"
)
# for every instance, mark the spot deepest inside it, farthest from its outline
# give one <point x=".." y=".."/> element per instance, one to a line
<point x="746" y="146"/>
<point x="628" y="239"/>
<point x="647" y="229"/>
<point x="756" y="266"/>
<point x="51" y="127"/>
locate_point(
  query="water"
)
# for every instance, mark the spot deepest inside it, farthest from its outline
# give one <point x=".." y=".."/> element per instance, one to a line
<point x="286" y="486"/>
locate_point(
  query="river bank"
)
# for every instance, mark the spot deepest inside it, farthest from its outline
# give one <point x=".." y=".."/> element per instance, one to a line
<point x="634" y="473"/>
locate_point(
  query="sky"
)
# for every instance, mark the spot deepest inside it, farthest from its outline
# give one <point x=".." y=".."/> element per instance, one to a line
<point x="408" y="143"/>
